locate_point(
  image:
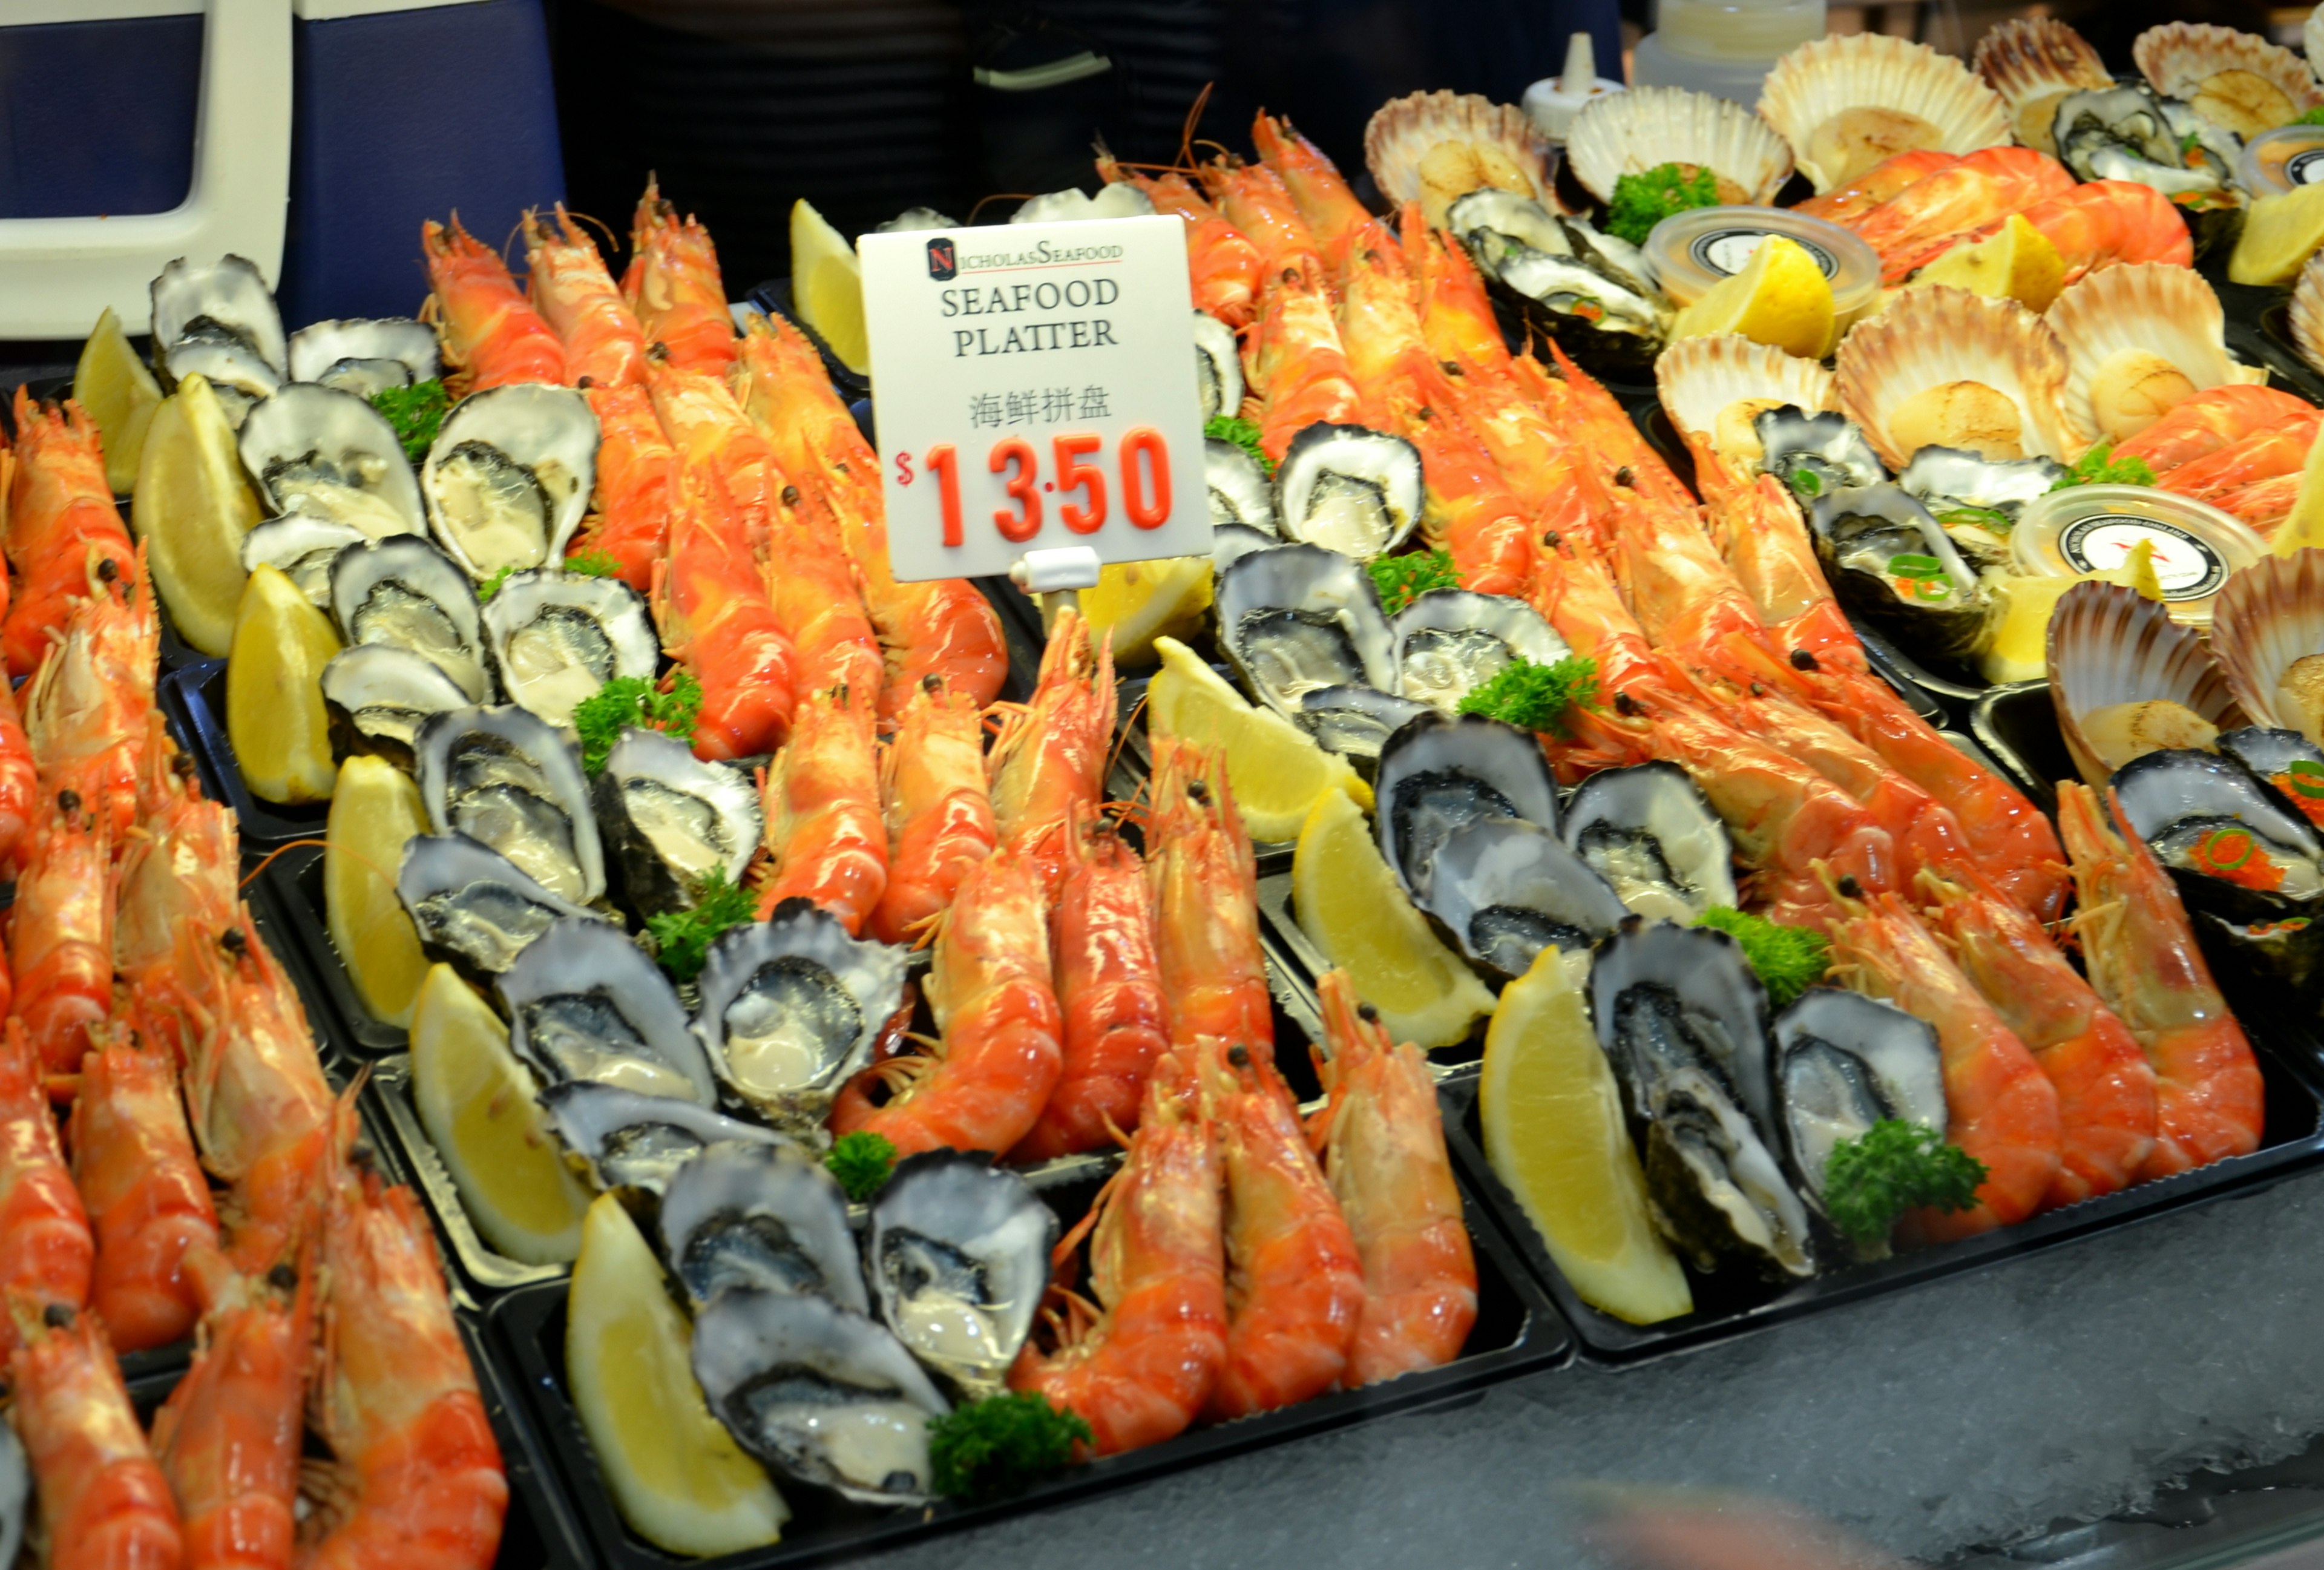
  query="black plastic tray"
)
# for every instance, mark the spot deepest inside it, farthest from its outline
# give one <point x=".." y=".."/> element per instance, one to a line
<point x="294" y="880"/>
<point x="1517" y="1332"/>
<point x="2019" y="726"/>
<point x="194" y="699"/>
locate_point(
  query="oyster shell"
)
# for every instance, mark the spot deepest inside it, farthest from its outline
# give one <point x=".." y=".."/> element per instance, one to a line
<point x="1240" y="492"/>
<point x="1348" y="489"/>
<point x="327" y="454"/>
<point x="1843" y="1062"/>
<point x="2213" y="820"/>
<point x="585" y="1002"/>
<point x="766" y="1216"/>
<point x="1218" y="368"/>
<point x="1714" y="389"/>
<point x="2267" y="634"/>
<point x="1848" y="102"/>
<point x="633" y="1140"/>
<point x="2237" y="81"/>
<point x="2033" y="63"/>
<point x="1451" y="642"/>
<point x="2286" y="760"/>
<point x="669" y="819"/>
<point x="472" y="906"/>
<point x="1298" y="617"/>
<point x="1890" y="560"/>
<point x="378" y="696"/>
<point x="220" y="321"/>
<point x="1230" y="542"/>
<point x="818" y="1391"/>
<point x="2140" y="339"/>
<point x="1120" y="199"/>
<point x="1435" y="148"/>
<point x="404" y="591"/>
<point x="1649" y="833"/>
<point x="1976" y="500"/>
<point x="1506" y="890"/>
<point x="302" y="547"/>
<point x="1943" y="367"/>
<point x="1646" y="127"/>
<point x="2125" y="679"/>
<point x="510" y="475"/>
<point x="2126" y="133"/>
<point x="1588" y="290"/>
<point x="514" y="782"/>
<point x="1437" y="774"/>
<point x="958" y="1254"/>
<point x="558" y="636"/>
<point x="232" y="368"/>
<point x="790" y="1008"/>
<point x="364" y="356"/>
<point x="1356" y="721"/>
<point x="1815" y="452"/>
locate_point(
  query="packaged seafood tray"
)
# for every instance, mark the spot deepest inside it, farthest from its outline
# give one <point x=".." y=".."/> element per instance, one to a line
<point x="1515" y="1332"/>
<point x="2259" y="332"/>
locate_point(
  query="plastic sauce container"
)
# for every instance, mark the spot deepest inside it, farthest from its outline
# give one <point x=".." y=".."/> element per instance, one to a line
<point x="2089" y="529"/>
<point x="1690" y="251"/>
<point x="2281" y="160"/>
<point x="1722" y="47"/>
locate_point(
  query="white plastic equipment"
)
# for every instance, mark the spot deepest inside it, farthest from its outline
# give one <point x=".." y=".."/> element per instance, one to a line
<point x="57" y="274"/>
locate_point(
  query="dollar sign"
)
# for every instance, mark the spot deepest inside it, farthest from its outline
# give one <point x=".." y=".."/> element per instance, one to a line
<point x="903" y="468"/>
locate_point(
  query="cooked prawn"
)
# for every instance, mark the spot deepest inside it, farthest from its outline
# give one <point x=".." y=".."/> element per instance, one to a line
<point x="104" y="1502"/>
<point x="1253" y="199"/>
<point x="1883" y="182"/>
<point x="86" y="707"/>
<point x="711" y="434"/>
<point x="1204" y="881"/>
<point x="1926" y="217"/>
<point x="825" y="827"/>
<point x="1224" y="267"/>
<point x="60" y="932"/>
<point x="1332" y="214"/>
<point x="1455" y="315"/>
<point x="492" y="333"/>
<point x="20" y="785"/>
<point x="47" y="1252"/>
<point x="61" y="525"/>
<point x="569" y="286"/>
<point x="710" y="600"/>
<point x="939" y="805"/>
<point x="1294" y="364"/>
<point x="2106" y="222"/>
<point x="630" y="514"/>
<point x="673" y="286"/>
<point x="1049" y="760"/>
<point x="1470" y="509"/>
<point x="133" y="1162"/>
<point x="2210" y="419"/>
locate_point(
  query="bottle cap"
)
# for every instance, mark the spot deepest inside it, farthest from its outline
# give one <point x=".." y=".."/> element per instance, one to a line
<point x="1690" y="251"/>
<point x="2283" y="159"/>
<point x="1554" y="101"/>
<point x="2088" y="529"/>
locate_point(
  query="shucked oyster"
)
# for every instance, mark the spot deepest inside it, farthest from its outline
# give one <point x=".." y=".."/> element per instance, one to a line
<point x="378" y="696"/>
<point x="671" y="819"/>
<point x="1451" y="642"/>
<point x="1299" y="617"/>
<point x="558" y="637"/>
<point x="959" y="1256"/>
<point x="1439" y="774"/>
<point x="1507" y="889"/>
<point x="364" y="357"/>
<point x="633" y="1140"/>
<point x="768" y="1216"/>
<point x="406" y="592"/>
<point x="330" y="454"/>
<point x="510" y="475"/>
<point x="1586" y="289"/>
<point x="219" y="320"/>
<point x="585" y="1002"/>
<point x="302" y="547"/>
<point x="514" y="781"/>
<point x="1648" y="832"/>
<point x="1240" y="492"/>
<point x="1218" y="368"/>
<point x="1349" y="489"/>
<point x="1844" y="1062"/>
<point x="471" y="905"/>
<point x="1891" y="562"/>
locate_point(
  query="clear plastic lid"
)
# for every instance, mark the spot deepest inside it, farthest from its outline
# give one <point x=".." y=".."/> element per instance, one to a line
<point x="1690" y="251"/>
<point x="2089" y="529"/>
<point x="2280" y="160"/>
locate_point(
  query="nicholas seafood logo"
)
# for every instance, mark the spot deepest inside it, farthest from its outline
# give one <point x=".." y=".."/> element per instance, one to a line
<point x="944" y="262"/>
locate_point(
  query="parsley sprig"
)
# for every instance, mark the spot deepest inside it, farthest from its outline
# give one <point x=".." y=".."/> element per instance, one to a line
<point x="1402" y="579"/>
<point x="682" y="938"/>
<point x="1002" y="1445"/>
<point x="416" y="412"/>
<point x="1233" y="428"/>
<point x="1896" y="1166"/>
<point x="861" y="1161"/>
<point x="632" y="700"/>
<point x="1788" y="960"/>
<point x="2099" y="466"/>
<point x="1536" y="696"/>
<point x="1643" y="200"/>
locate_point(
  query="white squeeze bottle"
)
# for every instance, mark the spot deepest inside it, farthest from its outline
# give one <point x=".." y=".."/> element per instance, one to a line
<point x="1722" y="47"/>
<point x="1554" y="101"/>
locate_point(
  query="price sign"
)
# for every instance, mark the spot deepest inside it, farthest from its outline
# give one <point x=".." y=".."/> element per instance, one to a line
<point x="1033" y="389"/>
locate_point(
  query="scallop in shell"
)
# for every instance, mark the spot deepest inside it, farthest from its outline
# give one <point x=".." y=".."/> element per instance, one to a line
<point x="1298" y="617"/>
<point x="958" y="1254"/>
<point x="560" y="636"/>
<point x="629" y="1140"/>
<point x="364" y="356"/>
<point x="1438" y="773"/>
<point x="2307" y="312"/>
<point x="2140" y="339"/>
<point x="327" y="454"/>
<point x="2127" y="679"/>
<point x="1943" y="367"/>
<point x="585" y="1002"/>
<point x="404" y="591"/>
<point x="1435" y="148"/>
<point x="2267" y="634"/>
<point x="514" y="781"/>
<point x="1848" y="102"/>
<point x="378" y="696"/>
<point x="790" y="1008"/>
<point x="1506" y="890"/>
<point x="2033" y="62"/>
<point x="509" y="476"/>
<point x="472" y="906"/>
<point x="760" y="1214"/>
<point x="670" y="819"/>
<point x="1218" y="368"/>
<point x="2235" y="80"/>
<point x="1645" y="128"/>
<point x="1451" y="642"/>
<point x="1648" y="832"/>
<point x="1715" y="388"/>
<point x="302" y="547"/>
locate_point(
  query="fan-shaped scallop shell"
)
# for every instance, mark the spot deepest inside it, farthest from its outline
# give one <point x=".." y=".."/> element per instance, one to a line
<point x="1872" y="78"/>
<point x="2311" y="37"/>
<point x="2233" y="79"/>
<point x="1646" y="127"/>
<point x="1713" y="387"/>
<point x="1414" y="147"/>
<point x="2033" y="63"/>
<point x="2269" y="617"/>
<point x="1902" y="377"/>
<point x="2110" y="645"/>
<point x="2308" y="307"/>
<point x="2141" y="309"/>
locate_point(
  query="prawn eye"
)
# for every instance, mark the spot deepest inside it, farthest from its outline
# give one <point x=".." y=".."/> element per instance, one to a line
<point x="931" y="683"/>
<point x="585" y="383"/>
<point x="1198" y="790"/>
<point x="1803" y="660"/>
<point x="790" y="495"/>
<point x="58" y="1316"/>
<point x="1849" y="886"/>
<point x="108" y="570"/>
<point x="233" y="942"/>
<point x="1369" y="1014"/>
<point x="1239" y="1056"/>
<point x="1622" y="475"/>
<point x="282" y="1278"/>
<point x="68" y="802"/>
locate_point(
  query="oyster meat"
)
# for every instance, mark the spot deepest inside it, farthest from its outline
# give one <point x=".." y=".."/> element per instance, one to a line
<point x="1241" y="495"/>
<point x="1815" y="450"/>
<point x="406" y="592"/>
<point x="378" y="696"/>
<point x="514" y="781"/>
<point x="1507" y="889"/>
<point x="302" y="547"/>
<point x="366" y="355"/>
<point x="1648" y="832"/>
<point x="790" y="1008"/>
<point x="1976" y="500"/>
<point x="1451" y="642"/>
<point x="220" y="321"/>
<point x="558" y="637"/>
<point x="669" y="819"/>
<point x="958" y="1253"/>
<point x="1586" y="289"/>
<point x="327" y="454"/>
<point x="1356" y="721"/>
<point x="1298" y="617"/>
<point x="768" y="1216"/>
<point x="2122" y="132"/>
<point x="633" y="1140"/>
<point x="1437" y="774"/>
<point x="1891" y="561"/>
<point x="1218" y="368"/>
<point x="1348" y="489"/>
<point x="473" y="906"/>
<point x="510" y="475"/>
<point x="585" y="1002"/>
<point x="1844" y="1062"/>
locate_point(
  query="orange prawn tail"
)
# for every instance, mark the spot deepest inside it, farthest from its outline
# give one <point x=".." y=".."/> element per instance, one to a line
<point x="824" y="823"/>
<point x="103" y="1498"/>
<point x="48" y="1254"/>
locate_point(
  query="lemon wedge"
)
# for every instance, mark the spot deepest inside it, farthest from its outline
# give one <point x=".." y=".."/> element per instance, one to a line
<point x="2305" y="526"/>
<point x="1352" y="908"/>
<point x="675" y="1475"/>
<point x="1552" y="1116"/>
<point x="1781" y="298"/>
<point x="376" y="808"/>
<point x="1140" y="601"/>
<point x="120" y="394"/>
<point x="1276" y="769"/>
<point x="475" y="1101"/>
<point x="274" y="691"/>
<point x="192" y="507"/>
<point x="2016" y="644"/>
<point x="2280" y="233"/>
<point x="828" y="285"/>
<point x="2018" y="263"/>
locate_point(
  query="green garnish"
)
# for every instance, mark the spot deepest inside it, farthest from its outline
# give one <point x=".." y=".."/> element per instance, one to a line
<point x="1788" y="960"/>
<point x="492" y="585"/>
<point x="2099" y="466"/>
<point x="1402" y="579"/>
<point x="682" y="938"/>
<point x="2313" y="117"/>
<point x="1243" y="434"/>
<point x="416" y="412"/>
<point x="862" y="1162"/>
<point x="2189" y="145"/>
<point x="1806" y="483"/>
<point x="1896" y="1166"/>
<point x="1987" y="518"/>
<point x="592" y="564"/>
<point x="1002" y="1445"/>
<point x="1536" y="696"/>
<point x="632" y="700"/>
<point x="1643" y="200"/>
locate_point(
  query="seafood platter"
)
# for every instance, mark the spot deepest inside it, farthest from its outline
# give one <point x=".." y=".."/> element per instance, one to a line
<point x="1512" y="893"/>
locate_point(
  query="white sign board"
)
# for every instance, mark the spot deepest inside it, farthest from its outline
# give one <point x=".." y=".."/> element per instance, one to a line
<point x="1034" y="388"/>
